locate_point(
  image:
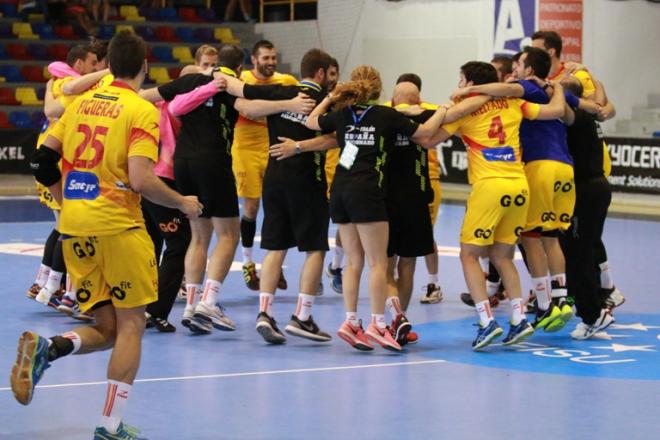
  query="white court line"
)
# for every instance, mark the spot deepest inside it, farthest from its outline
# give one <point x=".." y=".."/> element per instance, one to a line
<point x="245" y="374"/>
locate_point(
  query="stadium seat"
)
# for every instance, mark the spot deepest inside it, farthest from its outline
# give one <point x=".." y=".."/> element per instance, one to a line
<point x="7" y="97"/>
<point x="18" y="51"/>
<point x="41" y="93"/>
<point x="150" y="56"/>
<point x="205" y="35"/>
<point x="38" y="51"/>
<point x="166" y="33"/>
<point x="225" y="35"/>
<point x="106" y="31"/>
<point x="206" y="14"/>
<point x="3" y="54"/>
<point x="38" y="119"/>
<point x="8" y="10"/>
<point x="11" y="73"/>
<point x="188" y="15"/>
<point x="5" y="31"/>
<point x="124" y="27"/>
<point x="36" y="18"/>
<point x="58" y="51"/>
<point x="186" y="34"/>
<point x="46" y="73"/>
<point x="33" y="73"/>
<point x="159" y="74"/>
<point x="163" y="54"/>
<point x="146" y="32"/>
<point x="174" y="72"/>
<point x="27" y="96"/>
<point x="130" y="13"/>
<point x="4" y="120"/>
<point x="23" y="31"/>
<point x="3" y="79"/>
<point x="183" y="54"/>
<point x="151" y="14"/>
<point x="65" y="32"/>
<point x="44" y="30"/>
<point x="20" y="119"/>
<point x="168" y="14"/>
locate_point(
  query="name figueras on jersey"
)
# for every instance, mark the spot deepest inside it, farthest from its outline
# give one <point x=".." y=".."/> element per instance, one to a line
<point x="100" y="105"/>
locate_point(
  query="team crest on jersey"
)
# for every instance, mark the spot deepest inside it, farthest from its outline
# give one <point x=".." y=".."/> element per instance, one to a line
<point x="81" y="185"/>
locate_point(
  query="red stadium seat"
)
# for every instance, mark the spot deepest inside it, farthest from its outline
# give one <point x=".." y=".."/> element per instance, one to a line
<point x="18" y="51"/>
<point x="58" y="51"/>
<point x="65" y="32"/>
<point x="7" y="97"/>
<point x="166" y="33"/>
<point x="33" y="73"/>
<point x="4" y="120"/>
<point x="189" y="15"/>
<point x="175" y="72"/>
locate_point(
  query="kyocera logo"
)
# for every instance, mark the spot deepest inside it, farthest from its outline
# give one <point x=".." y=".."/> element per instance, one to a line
<point x="81" y="185"/>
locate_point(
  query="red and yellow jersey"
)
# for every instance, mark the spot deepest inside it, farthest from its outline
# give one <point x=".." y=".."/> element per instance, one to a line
<point x="254" y="133"/>
<point x="492" y="137"/>
<point x="588" y="87"/>
<point x="99" y="132"/>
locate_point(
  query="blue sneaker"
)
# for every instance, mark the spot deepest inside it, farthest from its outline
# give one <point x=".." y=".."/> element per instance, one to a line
<point x="335" y="275"/>
<point x="518" y="333"/>
<point x="486" y="334"/>
<point x="124" y="432"/>
<point x="31" y="362"/>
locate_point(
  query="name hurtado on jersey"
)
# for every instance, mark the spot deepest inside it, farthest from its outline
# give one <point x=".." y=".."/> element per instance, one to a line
<point x="363" y="136"/>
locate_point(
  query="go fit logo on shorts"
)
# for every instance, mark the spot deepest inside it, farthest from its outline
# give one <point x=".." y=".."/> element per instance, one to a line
<point x="519" y="200"/>
<point x="483" y="233"/>
<point x="565" y="187"/>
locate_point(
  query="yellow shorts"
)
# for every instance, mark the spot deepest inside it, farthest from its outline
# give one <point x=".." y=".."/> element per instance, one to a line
<point x="46" y="198"/>
<point x="434" y="206"/>
<point x="249" y="163"/>
<point x="552" y="195"/>
<point x="119" y="268"/>
<point x="607" y="161"/>
<point x="496" y="211"/>
<point x="331" y="160"/>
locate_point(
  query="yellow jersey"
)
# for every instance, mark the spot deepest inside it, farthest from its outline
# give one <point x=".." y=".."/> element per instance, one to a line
<point x="492" y="137"/>
<point x="588" y="87"/>
<point x="254" y="133"/>
<point x="99" y="132"/>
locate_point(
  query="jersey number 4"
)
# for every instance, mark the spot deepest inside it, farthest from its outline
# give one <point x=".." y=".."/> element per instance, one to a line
<point x="496" y="130"/>
<point x="94" y="139"/>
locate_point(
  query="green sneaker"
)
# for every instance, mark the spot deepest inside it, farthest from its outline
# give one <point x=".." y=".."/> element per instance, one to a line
<point x="566" y="310"/>
<point x="549" y="320"/>
<point x="124" y="432"/>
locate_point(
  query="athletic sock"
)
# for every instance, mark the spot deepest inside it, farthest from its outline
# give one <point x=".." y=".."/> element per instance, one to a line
<point x="69" y="291"/>
<point x="63" y="345"/>
<point x="540" y="287"/>
<point x="42" y="275"/>
<point x="115" y="402"/>
<point x="247" y="255"/>
<point x="492" y="288"/>
<point x="379" y="320"/>
<point x="352" y="318"/>
<point x="606" y="280"/>
<point x="393" y="305"/>
<point x="337" y="258"/>
<point x="558" y="286"/>
<point x="248" y="231"/>
<point x="54" y="281"/>
<point x="265" y="302"/>
<point x="485" y="314"/>
<point x="211" y="292"/>
<point x="191" y="292"/>
<point x="433" y="279"/>
<point x="516" y="311"/>
<point x="304" y="306"/>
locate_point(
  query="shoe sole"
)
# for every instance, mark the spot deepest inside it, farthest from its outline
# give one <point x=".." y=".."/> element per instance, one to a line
<point x="21" y="372"/>
<point x="296" y="331"/>
<point x="82" y="317"/>
<point x="200" y="328"/>
<point x="494" y="335"/>
<point x="218" y="325"/>
<point x="555" y="325"/>
<point x="521" y="337"/>
<point x="185" y="322"/>
<point x="68" y="311"/>
<point x="567" y="315"/>
<point x="383" y="342"/>
<point x="357" y="344"/>
<point x="401" y="335"/>
<point x="600" y="329"/>
<point x="269" y="335"/>
<point x="431" y="301"/>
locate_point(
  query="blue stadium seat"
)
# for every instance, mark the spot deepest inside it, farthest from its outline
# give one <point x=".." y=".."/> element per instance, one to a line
<point x="151" y="14"/>
<point x="38" y="119"/>
<point x="5" y="31"/>
<point x="44" y="30"/>
<point x="3" y="54"/>
<point x="206" y="14"/>
<point x="186" y="34"/>
<point x="168" y="14"/>
<point x="20" y="120"/>
<point x="8" y="10"/>
<point x="11" y="73"/>
<point x="146" y="32"/>
<point x="205" y="35"/>
<point x="106" y="31"/>
<point x="163" y="54"/>
<point x="38" y="51"/>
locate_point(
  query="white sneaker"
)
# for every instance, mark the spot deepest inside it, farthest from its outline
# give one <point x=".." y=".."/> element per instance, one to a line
<point x="188" y="313"/>
<point x="433" y="294"/>
<point x="43" y="296"/>
<point x="214" y="315"/>
<point x="615" y="298"/>
<point x="585" y="331"/>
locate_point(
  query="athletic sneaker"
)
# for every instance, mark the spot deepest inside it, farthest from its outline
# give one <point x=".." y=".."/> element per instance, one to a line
<point x="87" y="316"/>
<point x="433" y="294"/>
<point x="413" y="338"/>
<point x="530" y="304"/>
<point x="382" y="337"/>
<point x="67" y="306"/>
<point x="267" y="328"/>
<point x="182" y="294"/>
<point x="354" y="336"/>
<point x="160" y="324"/>
<point x="31" y="362"/>
<point x="400" y="328"/>
<point x="54" y="302"/>
<point x="518" y="333"/>
<point x="250" y="276"/>
<point x="124" y="432"/>
<point x="565" y="308"/>
<point x="306" y="329"/>
<point x="335" y="275"/>
<point x="486" y="334"/>
<point x="319" y="290"/>
<point x="33" y="291"/>
<point x="612" y="297"/>
<point x="585" y="331"/>
<point x="492" y="300"/>
<point x="549" y="320"/>
<point x="188" y="313"/>
<point x="214" y="315"/>
<point x="281" y="283"/>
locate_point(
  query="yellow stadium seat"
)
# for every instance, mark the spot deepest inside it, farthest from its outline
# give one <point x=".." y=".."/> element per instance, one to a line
<point x="130" y="13"/>
<point x="27" y="96"/>
<point x="225" y="35"/>
<point x="23" y="31"/>
<point x="47" y="74"/>
<point x="36" y="18"/>
<point x="183" y="54"/>
<point x="159" y="74"/>
<point x="124" y="27"/>
<point x="2" y="79"/>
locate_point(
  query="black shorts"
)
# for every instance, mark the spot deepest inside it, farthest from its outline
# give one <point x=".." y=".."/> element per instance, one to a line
<point x="295" y="216"/>
<point x="411" y="231"/>
<point x="212" y="181"/>
<point x="350" y="206"/>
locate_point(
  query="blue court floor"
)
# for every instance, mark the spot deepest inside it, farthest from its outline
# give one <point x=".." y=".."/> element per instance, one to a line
<point x="234" y="386"/>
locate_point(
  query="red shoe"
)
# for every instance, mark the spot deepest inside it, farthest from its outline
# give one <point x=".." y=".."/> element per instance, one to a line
<point x="382" y="337"/>
<point x="354" y="336"/>
<point x="33" y="291"/>
<point x="400" y="328"/>
<point x="413" y="338"/>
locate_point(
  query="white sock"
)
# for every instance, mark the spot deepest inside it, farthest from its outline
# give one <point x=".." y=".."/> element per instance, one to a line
<point x="485" y="314"/>
<point x="191" y="292"/>
<point x="115" y="402"/>
<point x="247" y="255"/>
<point x="352" y="318"/>
<point x="393" y="305"/>
<point x="485" y="261"/>
<point x="304" y="307"/>
<point x="516" y="311"/>
<point x="75" y="339"/>
<point x="54" y="281"/>
<point x="492" y="288"/>
<point x="42" y="275"/>
<point x="70" y="291"/>
<point x="540" y="287"/>
<point x="337" y="257"/>
<point x="558" y="289"/>
<point x="606" y="280"/>
<point x="379" y="320"/>
<point x="211" y="292"/>
<point x="433" y="278"/>
<point x="265" y="302"/>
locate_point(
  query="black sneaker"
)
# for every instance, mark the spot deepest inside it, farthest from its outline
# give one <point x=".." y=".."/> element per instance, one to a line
<point x="468" y="301"/>
<point x="306" y="329"/>
<point x="163" y="325"/>
<point x="267" y="328"/>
